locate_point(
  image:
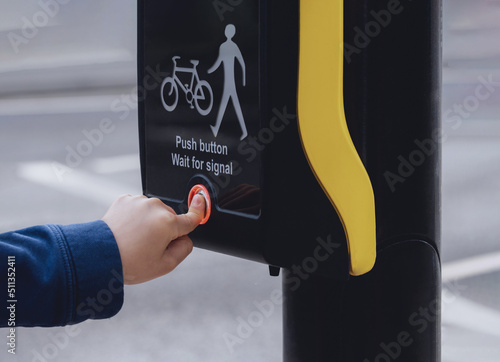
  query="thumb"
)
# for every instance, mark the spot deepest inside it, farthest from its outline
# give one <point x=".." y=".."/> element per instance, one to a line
<point x="189" y="221"/>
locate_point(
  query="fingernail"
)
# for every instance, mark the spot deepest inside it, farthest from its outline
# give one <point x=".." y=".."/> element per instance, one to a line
<point x="197" y="193"/>
<point x="198" y="200"/>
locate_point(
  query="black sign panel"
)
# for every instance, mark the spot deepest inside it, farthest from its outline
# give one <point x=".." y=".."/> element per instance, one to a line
<point x="217" y="107"/>
<point x="200" y="118"/>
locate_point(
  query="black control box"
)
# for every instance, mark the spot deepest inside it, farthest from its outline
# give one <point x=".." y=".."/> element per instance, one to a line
<point x="218" y="107"/>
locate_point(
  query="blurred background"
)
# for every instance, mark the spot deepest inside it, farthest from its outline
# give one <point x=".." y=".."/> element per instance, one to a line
<point x="77" y="69"/>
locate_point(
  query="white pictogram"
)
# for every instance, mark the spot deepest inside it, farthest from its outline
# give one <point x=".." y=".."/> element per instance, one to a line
<point x="197" y="91"/>
<point x="228" y="52"/>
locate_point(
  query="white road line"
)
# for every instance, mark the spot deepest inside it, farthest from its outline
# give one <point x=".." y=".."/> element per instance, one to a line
<point x="77" y="183"/>
<point x="68" y="60"/>
<point x="471" y="316"/>
<point x="469" y="322"/>
<point x="57" y="105"/>
<point x="471" y="267"/>
<point x="115" y="164"/>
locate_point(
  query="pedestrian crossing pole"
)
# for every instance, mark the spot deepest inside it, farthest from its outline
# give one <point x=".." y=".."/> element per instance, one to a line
<point x="391" y="95"/>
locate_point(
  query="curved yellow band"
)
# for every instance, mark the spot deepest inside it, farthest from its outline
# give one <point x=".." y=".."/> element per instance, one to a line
<point x="325" y="137"/>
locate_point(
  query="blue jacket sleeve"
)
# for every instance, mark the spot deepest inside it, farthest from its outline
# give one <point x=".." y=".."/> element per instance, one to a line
<point x="61" y="275"/>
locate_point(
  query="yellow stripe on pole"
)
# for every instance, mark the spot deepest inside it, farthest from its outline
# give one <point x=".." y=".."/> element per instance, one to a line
<point x="325" y="137"/>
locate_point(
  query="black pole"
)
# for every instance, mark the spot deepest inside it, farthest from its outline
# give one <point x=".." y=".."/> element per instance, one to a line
<point x="392" y="313"/>
<point x="392" y="104"/>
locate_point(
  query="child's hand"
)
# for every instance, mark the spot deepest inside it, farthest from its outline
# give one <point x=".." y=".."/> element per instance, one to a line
<point x="151" y="237"/>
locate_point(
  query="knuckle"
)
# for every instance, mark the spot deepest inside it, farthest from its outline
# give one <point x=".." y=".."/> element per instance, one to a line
<point x="155" y="202"/>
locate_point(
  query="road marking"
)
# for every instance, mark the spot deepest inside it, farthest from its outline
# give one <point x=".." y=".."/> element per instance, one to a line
<point x="57" y="105"/>
<point x="470" y="322"/>
<point x="471" y="316"/>
<point x="116" y="164"/>
<point x="69" y="60"/>
<point x="78" y="183"/>
<point x="471" y="267"/>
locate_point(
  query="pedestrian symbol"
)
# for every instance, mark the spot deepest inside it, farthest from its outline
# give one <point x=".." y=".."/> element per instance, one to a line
<point x="228" y="52"/>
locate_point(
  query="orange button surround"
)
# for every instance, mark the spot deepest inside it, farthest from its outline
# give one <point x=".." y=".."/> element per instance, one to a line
<point x="202" y="190"/>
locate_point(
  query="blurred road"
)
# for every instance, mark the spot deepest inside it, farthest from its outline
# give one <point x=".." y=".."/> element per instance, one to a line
<point x="55" y="93"/>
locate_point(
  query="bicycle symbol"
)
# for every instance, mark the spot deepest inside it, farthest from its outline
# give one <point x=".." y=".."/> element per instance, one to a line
<point x="198" y="91"/>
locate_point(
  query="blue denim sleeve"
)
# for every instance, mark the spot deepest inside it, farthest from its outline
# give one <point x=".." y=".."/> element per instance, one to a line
<point x="63" y="275"/>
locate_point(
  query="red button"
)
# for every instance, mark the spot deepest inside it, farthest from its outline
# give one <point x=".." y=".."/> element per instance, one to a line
<point x="200" y="189"/>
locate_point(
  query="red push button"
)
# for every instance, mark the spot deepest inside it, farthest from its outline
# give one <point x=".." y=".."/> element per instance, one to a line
<point x="202" y="190"/>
